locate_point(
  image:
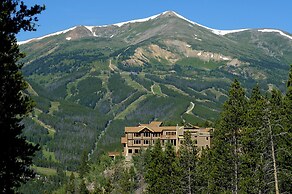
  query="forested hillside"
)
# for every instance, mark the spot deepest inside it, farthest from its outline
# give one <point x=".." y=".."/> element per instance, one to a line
<point x="250" y="153"/>
<point x="89" y="82"/>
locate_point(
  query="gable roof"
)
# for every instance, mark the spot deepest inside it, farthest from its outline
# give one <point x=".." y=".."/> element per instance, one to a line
<point x="146" y="128"/>
<point x="153" y="127"/>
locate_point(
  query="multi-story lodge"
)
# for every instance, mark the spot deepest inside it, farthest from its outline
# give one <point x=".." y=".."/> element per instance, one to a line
<point x="144" y="135"/>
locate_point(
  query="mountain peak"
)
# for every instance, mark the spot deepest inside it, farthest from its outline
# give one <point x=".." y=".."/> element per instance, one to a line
<point x="169" y="13"/>
<point x="166" y="14"/>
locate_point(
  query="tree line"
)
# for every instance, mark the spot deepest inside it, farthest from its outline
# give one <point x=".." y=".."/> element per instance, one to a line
<point x="251" y="152"/>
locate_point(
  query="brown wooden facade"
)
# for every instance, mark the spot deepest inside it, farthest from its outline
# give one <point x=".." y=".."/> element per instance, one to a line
<point x="144" y="135"/>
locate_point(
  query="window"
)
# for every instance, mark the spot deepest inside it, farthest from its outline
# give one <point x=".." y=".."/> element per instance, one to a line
<point x="170" y="133"/>
<point x="207" y="138"/>
<point x="130" y="151"/>
<point x="156" y="135"/>
<point x="136" y="151"/>
<point x="146" y="141"/>
<point x="146" y="134"/>
<point x="137" y="141"/>
<point x="173" y="142"/>
<point x="137" y="134"/>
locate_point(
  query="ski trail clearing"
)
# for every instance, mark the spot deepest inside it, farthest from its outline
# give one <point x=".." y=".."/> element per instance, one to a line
<point x="190" y="108"/>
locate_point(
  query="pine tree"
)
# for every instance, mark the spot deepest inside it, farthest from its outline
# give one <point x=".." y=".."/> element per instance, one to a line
<point x="70" y="187"/>
<point x="140" y="163"/>
<point x="82" y="188"/>
<point x="284" y="142"/>
<point x="154" y="169"/>
<point x="84" y="165"/>
<point x="254" y="140"/>
<point x="16" y="152"/>
<point x="224" y="176"/>
<point x="270" y="127"/>
<point x="203" y="168"/>
<point x="125" y="179"/>
<point x="268" y="143"/>
<point x="188" y="158"/>
<point x="170" y="177"/>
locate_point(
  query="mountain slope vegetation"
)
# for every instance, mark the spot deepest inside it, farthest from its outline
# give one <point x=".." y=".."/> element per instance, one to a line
<point x="90" y="82"/>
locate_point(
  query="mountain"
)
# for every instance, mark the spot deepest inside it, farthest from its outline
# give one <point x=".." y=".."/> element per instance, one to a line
<point x="91" y="81"/>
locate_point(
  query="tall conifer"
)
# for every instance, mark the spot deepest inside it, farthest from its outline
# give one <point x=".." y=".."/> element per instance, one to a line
<point x="226" y="143"/>
<point x="16" y="152"/>
<point x="188" y="159"/>
<point x="154" y="169"/>
<point x="254" y="140"/>
<point x="171" y="173"/>
<point x="284" y="146"/>
<point x="162" y="172"/>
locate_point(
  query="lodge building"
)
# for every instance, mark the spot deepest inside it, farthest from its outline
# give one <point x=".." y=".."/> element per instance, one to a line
<point x="143" y="135"/>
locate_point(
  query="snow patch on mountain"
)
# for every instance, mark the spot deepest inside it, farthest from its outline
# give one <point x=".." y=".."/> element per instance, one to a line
<point x="53" y="34"/>
<point x="90" y="28"/>
<point x="135" y="21"/>
<point x="215" y="31"/>
<point x="224" y="32"/>
<point x="276" y="31"/>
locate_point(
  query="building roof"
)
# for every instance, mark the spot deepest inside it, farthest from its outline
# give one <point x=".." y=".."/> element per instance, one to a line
<point x="155" y="123"/>
<point x="154" y="126"/>
<point x="114" y="154"/>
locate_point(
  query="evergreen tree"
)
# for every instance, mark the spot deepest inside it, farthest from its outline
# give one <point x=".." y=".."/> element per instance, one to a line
<point x="125" y="179"/>
<point x="154" y="169"/>
<point x="162" y="171"/>
<point x="70" y="187"/>
<point x="140" y="160"/>
<point x="16" y="152"/>
<point x="82" y="188"/>
<point x="284" y="142"/>
<point x="273" y="125"/>
<point x="203" y="168"/>
<point x="263" y="147"/>
<point x="188" y="158"/>
<point x="170" y="171"/>
<point x="261" y="144"/>
<point x="226" y="143"/>
<point x="84" y="165"/>
<point x="254" y="141"/>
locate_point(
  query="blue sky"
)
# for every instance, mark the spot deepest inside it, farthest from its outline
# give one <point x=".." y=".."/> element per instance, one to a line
<point x="218" y="14"/>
